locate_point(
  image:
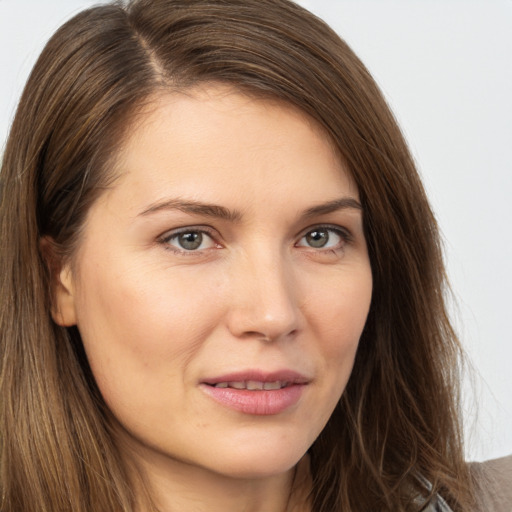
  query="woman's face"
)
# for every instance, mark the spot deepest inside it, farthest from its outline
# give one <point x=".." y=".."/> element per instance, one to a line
<point x="222" y="284"/>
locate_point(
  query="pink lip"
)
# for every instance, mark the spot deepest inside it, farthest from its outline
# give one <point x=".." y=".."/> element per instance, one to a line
<point x="259" y="402"/>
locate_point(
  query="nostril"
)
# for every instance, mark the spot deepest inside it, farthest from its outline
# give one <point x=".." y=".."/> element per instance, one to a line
<point x="269" y="338"/>
<point x="258" y="335"/>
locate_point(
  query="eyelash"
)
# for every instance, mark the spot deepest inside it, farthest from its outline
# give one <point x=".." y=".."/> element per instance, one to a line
<point x="167" y="237"/>
<point x="344" y="234"/>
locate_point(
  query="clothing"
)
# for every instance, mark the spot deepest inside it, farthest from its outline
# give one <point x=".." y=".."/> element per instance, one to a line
<point x="438" y="506"/>
<point x="493" y="480"/>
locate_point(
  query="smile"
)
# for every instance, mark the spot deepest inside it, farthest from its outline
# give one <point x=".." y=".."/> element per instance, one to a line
<point x="253" y="385"/>
<point x="257" y="393"/>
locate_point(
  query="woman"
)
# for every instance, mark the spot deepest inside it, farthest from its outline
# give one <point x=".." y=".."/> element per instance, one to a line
<point x="175" y="335"/>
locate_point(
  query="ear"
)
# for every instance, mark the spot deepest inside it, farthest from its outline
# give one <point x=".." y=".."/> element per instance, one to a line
<point x="61" y="284"/>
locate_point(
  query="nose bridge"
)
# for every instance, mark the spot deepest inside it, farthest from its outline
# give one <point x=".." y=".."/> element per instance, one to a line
<point x="264" y="296"/>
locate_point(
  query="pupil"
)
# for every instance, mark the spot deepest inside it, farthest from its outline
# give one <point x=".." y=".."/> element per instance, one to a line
<point x="317" y="238"/>
<point x="190" y="241"/>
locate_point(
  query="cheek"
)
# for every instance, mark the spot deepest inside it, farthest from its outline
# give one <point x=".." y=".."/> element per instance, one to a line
<point x="139" y="329"/>
<point x="340" y="304"/>
<point x="339" y="309"/>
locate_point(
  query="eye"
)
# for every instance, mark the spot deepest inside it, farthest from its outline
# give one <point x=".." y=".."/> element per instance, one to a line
<point x="189" y="240"/>
<point x="323" y="237"/>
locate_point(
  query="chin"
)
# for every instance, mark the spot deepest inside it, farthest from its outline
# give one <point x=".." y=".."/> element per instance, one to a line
<point x="257" y="461"/>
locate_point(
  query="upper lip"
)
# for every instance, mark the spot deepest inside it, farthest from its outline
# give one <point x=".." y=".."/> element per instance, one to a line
<point x="289" y="376"/>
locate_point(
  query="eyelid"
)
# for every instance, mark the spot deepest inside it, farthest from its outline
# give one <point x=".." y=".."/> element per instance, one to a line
<point x="337" y="248"/>
<point x="185" y="229"/>
<point x="173" y="233"/>
<point x="344" y="232"/>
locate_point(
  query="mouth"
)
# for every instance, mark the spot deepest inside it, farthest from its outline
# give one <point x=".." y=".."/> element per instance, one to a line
<point x="252" y="385"/>
<point x="257" y="393"/>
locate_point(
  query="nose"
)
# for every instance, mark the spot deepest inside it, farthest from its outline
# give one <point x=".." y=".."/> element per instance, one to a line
<point x="264" y="301"/>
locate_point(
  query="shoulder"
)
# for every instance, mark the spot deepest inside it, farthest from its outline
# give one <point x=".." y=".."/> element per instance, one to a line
<point x="493" y="487"/>
<point x="493" y="484"/>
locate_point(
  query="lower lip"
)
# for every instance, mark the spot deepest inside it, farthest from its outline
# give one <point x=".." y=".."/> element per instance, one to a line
<point x="261" y="403"/>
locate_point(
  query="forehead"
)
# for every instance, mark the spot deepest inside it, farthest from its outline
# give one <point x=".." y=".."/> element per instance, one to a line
<point x="214" y="139"/>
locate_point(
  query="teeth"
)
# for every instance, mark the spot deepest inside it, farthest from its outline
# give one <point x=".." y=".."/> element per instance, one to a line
<point x="253" y="385"/>
<point x="237" y="385"/>
<point x="272" y="385"/>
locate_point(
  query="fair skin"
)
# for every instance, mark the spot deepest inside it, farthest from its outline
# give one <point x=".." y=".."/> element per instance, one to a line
<point x="229" y="256"/>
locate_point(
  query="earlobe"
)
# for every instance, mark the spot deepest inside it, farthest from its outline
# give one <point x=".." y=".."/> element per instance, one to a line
<point x="63" y="307"/>
<point x="61" y="283"/>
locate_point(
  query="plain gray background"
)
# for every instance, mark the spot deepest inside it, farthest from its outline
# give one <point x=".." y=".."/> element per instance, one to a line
<point x="445" y="66"/>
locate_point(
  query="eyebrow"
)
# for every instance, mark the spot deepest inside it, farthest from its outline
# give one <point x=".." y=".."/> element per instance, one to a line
<point x="220" y="212"/>
<point x="343" y="203"/>
<point x="195" y="207"/>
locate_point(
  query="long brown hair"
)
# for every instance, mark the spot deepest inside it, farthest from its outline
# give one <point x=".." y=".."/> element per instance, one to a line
<point x="394" y="440"/>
